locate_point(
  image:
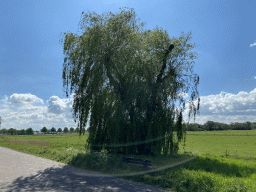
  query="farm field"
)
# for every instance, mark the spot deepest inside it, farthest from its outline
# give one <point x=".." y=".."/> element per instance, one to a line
<point x="223" y="160"/>
<point x="240" y="145"/>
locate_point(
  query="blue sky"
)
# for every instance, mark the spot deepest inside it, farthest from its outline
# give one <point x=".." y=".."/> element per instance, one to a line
<point x="31" y="56"/>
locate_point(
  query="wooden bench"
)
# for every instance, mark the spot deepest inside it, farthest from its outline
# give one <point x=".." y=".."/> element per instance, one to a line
<point x="130" y="160"/>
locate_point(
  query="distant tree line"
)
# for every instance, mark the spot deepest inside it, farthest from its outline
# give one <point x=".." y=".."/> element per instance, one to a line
<point x="44" y="130"/>
<point x="216" y="126"/>
<point x="13" y="131"/>
<point x="208" y="126"/>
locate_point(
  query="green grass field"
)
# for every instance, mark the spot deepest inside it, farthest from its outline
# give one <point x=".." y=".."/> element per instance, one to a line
<point x="225" y="160"/>
<point x="234" y="144"/>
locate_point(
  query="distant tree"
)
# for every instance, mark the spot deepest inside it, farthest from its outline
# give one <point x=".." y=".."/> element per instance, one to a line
<point x="225" y="126"/>
<point x="83" y="130"/>
<point x="53" y="130"/>
<point x="59" y="130"/>
<point x="4" y="131"/>
<point x="248" y="125"/>
<point x="237" y="126"/>
<point x="233" y="126"/>
<point x="254" y="126"/>
<point x="29" y="131"/>
<point x="71" y="129"/>
<point x="192" y="127"/>
<point x="1" y="131"/>
<point x="77" y="130"/>
<point x="220" y="126"/>
<point x="216" y="126"/>
<point x="12" y="131"/>
<point x="200" y="127"/>
<point x="44" y="130"/>
<point x="209" y="125"/>
<point x="21" y="132"/>
<point x="65" y="130"/>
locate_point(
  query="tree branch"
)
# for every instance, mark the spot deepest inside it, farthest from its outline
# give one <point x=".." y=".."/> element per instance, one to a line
<point x="151" y="110"/>
<point x="159" y="77"/>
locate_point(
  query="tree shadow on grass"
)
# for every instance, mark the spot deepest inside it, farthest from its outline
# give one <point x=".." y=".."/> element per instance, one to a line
<point x="105" y="163"/>
<point x="69" y="178"/>
<point x="113" y="164"/>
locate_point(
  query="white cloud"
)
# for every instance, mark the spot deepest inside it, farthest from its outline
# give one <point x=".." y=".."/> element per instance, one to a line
<point x="20" y="111"/>
<point x="226" y="108"/>
<point x="254" y="44"/>
<point x="182" y="94"/>
<point x="24" y="98"/>
<point x="56" y="105"/>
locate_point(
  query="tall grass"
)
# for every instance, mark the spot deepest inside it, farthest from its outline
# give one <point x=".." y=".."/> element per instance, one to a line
<point x="205" y="174"/>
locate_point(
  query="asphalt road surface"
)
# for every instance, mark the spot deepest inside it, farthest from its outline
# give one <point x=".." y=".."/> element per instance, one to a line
<point x="24" y="172"/>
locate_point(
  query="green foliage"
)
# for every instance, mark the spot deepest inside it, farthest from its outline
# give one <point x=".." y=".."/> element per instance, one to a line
<point x="65" y="130"/>
<point x="21" y="132"/>
<point x="59" y="130"/>
<point x="209" y="125"/>
<point x="71" y="129"/>
<point x="4" y="131"/>
<point x="126" y="77"/>
<point x="241" y="126"/>
<point x="44" y="130"/>
<point x="193" y="127"/>
<point x="212" y="126"/>
<point x="77" y="130"/>
<point x="53" y="129"/>
<point x="83" y="130"/>
<point x="29" y="131"/>
<point x="12" y="131"/>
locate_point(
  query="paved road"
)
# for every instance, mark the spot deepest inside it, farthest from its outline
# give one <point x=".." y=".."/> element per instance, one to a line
<point x="24" y="172"/>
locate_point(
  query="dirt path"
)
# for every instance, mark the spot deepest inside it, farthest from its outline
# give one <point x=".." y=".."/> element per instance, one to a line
<point x="24" y="172"/>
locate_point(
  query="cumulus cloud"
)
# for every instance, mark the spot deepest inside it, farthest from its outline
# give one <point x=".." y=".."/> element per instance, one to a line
<point x="226" y="107"/>
<point x="56" y="105"/>
<point x="59" y="106"/>
<point x="20" y="111"/>
<point x="251" y="45"/>
<point x="24" y="98"/>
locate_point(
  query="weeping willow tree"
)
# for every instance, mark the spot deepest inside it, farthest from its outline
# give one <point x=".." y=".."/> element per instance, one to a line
<point x="127" y="80"/>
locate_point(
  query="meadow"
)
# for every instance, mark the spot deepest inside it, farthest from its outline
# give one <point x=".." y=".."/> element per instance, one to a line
<point x="210" y="161"/>
<point x="238" y="145"/>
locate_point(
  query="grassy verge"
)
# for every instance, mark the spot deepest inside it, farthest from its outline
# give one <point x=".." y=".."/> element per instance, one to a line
<point x="207" y="172"/>
<point x="204" y="174"/>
